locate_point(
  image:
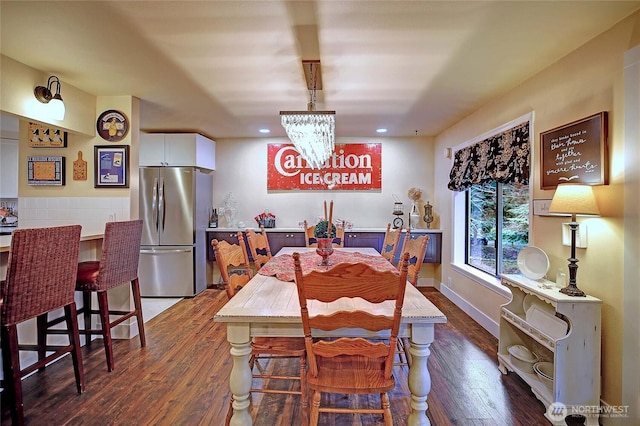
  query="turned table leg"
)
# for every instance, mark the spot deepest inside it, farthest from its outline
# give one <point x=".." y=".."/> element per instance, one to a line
<point x="240" y="379"/>
<point x="419" y="378"/>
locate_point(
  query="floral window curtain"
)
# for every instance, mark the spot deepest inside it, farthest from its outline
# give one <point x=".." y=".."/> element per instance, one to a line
<point x="503" y="158"/>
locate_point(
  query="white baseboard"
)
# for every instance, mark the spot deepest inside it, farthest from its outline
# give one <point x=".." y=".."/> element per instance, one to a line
<point x="487" y="323"/>
<point x="426" y="282"/>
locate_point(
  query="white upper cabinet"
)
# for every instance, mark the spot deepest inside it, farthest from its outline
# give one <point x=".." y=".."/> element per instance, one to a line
<point x="177" y="149"/>
<point x="8" y="168"/>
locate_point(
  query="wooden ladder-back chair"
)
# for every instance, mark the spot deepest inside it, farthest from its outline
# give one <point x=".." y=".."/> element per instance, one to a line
<point x="118" y="265"/>
<point x="259" y="247"/>
<point x="349" y="365"/>
<point x="237" y="257"/>
<point x="41" y="277"/>
<point x="233" y="263"/>
<point x="416" y="248"/>
<point x="310" y="239"/>
<point x="390" y="244"/>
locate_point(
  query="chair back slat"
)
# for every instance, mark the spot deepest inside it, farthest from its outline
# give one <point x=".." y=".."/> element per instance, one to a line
<point x="41" y="272"/>
<point x="376" y="301"/>
<point x="416" y="247"/>
<point x="120" y="254"/>
<point x="233" y="263"/>
<point x="390" y="244"/>
<point x="259" y="246"/>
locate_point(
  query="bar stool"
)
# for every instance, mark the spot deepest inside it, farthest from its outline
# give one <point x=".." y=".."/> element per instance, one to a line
<point x="41" y="276"/>
<point x="118" y="265"/>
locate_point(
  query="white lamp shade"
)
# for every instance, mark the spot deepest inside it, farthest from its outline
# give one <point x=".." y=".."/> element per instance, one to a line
<point x="574" y="199"/>
<point x="57" y="109"/>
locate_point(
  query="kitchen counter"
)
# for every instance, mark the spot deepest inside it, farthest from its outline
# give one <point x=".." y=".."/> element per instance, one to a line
<point x="5" y="240"/>
<point x="355" y="237"/>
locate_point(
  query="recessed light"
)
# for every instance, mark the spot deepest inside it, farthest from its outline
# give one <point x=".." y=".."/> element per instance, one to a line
<point x="264" y="131"/>
<point x="381" y="130"/>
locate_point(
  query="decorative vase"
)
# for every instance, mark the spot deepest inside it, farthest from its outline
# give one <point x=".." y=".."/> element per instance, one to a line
<point x="325" y="248"/>
<point x="414" y="216"/>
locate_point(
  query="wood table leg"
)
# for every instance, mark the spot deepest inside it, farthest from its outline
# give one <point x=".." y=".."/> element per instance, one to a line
<point x="419" y="379"/>
<point x="240" y="379"/>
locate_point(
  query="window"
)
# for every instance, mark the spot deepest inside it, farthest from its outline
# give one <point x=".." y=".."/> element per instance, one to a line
<point x="491" y="216"/>
<point x="497" y="220"/>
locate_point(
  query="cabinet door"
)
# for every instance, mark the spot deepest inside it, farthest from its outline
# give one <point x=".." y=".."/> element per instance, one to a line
<point x="277" y="240"/>
<point x="151" y="149"/>
<point x="364" y="239"/>
<point x="434" y="249"/>
<point x="180" y="149"/>
<point x="8" y="168"/>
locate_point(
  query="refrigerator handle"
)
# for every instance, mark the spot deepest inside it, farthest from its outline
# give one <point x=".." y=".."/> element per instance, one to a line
<point x="154" y="202"/>
<point x="161" y="205"/>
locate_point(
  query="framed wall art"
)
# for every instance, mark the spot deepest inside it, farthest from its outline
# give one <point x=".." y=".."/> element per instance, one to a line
<point x="111" y="166"/>
<point x="45" y="171"/>
<point x="41" y="136"/>
<point x="576" y="152"/>
<point x="112" y="125"/>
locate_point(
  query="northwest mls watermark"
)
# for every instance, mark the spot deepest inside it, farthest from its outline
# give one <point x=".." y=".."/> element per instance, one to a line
<point x="558" y="411"/>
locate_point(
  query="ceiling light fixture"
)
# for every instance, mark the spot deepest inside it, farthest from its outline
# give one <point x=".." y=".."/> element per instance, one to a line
<point x="46" y="96"/>
<point x="312" y="132"/>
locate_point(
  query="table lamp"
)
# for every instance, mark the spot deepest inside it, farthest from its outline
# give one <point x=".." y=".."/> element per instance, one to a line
<point x="574" y="199"/>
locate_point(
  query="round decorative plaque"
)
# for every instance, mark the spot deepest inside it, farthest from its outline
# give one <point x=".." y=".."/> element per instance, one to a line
<point x="112" y="125"/>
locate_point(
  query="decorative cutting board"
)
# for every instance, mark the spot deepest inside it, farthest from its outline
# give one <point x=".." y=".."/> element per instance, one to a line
<point x="79" y="168"/>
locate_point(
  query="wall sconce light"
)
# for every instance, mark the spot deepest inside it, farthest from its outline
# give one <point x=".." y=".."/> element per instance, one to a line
<point x="574" y="199"/>
<point x="46" y="96"/>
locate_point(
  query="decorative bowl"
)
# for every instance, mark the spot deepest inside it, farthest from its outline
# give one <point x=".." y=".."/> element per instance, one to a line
<point x="522" y="358"/>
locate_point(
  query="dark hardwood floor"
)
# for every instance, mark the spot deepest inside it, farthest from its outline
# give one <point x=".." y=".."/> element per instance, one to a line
<point x="181" y="378"/>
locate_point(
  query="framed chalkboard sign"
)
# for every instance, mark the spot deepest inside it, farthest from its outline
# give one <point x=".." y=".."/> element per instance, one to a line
<point x="575" y="152"/>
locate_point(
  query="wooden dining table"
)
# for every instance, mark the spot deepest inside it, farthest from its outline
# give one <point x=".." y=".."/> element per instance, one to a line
<point x="267" y="306"/>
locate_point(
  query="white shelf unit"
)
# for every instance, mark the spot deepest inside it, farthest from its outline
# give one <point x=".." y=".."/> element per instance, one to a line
<point x="575" y="356"/>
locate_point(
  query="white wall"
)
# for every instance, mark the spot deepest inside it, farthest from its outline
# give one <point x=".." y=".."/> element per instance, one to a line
<point x="241" y="168"/>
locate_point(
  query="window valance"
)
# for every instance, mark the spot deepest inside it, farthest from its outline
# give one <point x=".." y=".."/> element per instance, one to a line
<point x="503" y="158"/>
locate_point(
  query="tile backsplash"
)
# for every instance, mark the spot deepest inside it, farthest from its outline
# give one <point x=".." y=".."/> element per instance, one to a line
<point x="90" y="212"/>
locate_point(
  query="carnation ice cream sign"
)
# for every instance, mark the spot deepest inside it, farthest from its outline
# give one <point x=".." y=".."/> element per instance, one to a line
<point x="352" y="167"/>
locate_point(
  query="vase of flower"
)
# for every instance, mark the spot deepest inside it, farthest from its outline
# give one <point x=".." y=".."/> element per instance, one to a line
<point x="324" y="235"/>
<point x="325" y="248"/>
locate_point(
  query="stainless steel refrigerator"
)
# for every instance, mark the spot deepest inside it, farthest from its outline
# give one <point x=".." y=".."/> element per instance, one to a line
<point x="174" y="204"/>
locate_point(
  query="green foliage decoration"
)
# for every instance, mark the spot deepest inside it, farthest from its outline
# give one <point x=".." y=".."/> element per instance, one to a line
<point x="321" y="230"/>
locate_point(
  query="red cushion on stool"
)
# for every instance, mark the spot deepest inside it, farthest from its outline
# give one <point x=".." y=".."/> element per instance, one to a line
<point x="87" y="279"/>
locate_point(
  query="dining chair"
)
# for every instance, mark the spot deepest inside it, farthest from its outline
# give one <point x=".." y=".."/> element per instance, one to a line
<point x="41" y="275"/>
<point x="310" y="239"/>
<point x="235" y="271"/>
<point x="390" y="244"/>
<point x="259" y="247"/>
<point x="350" y="365"/>
<point x="118" y="265"/>
<point x="416" y="248"/>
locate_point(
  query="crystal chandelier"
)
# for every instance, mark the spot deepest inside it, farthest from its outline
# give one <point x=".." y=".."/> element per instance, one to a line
<point x="312" y="132"/>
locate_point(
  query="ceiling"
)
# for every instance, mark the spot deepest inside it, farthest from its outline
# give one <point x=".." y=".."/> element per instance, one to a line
<point x="227" y="68"/>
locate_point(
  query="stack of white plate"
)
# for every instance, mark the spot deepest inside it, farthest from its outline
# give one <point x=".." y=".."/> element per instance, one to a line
<point x="541" y="315"/>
